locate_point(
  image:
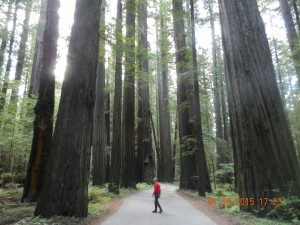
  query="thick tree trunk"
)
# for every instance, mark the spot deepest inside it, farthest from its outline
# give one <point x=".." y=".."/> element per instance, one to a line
<point x="264" y="154"/>
<point x="165" y="168"/>
<point x="9" y="61"/>
<point x="44" y="109"/>
<point x="129" y="98"/>
<point x="99" y="131"/>
<point x="291" y="35"/>
<point x="188" y="121"/>
<point x="145" y="160"/>
<point x="38" y="52"/>
<point x="65" y="189"/>
<point x="116" y="150"/>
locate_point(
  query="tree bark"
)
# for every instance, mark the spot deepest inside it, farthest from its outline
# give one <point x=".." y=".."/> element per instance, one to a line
<point x="116" y="150"/>
<point x="129" y="98"/>
<point x="264" y="154"/>
<point x="65" y="189"/>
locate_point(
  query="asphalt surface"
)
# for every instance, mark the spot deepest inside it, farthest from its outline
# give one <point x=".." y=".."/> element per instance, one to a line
<point x="137" y="210"/>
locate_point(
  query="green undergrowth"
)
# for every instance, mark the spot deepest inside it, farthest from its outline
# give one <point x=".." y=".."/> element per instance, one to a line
<point x="280" y="215"/>
<point x="12" y="211"/>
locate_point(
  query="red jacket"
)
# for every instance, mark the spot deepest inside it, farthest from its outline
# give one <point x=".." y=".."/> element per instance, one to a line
<point x="156" y="188"/>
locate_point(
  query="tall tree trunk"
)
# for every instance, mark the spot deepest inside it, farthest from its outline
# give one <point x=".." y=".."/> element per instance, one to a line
<point x="129" y="98"/>
<point x="5" y="35"/>
<point x="264" y="154"/>
<point x="9" y="61"/>
<point x="291" y="35"/>
<point x="38" y="52"/>
<point x="44" y="109"/>
<point x="65" y="189"/>
<point x="116" y="150"/>
<point x="203" y="183"/>
<point x="107" y="132"/>
<point x="188" y="123"/>
<point x="145" y="160"/>
<point x="165" y="168"/>
<point x="99" y="131"/>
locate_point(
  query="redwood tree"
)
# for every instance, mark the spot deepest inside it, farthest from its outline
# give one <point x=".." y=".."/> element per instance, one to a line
<point x="116" y="151"/>
<point x="65" y="189"/>
<point x="264" y="154"/>
<point x="145" y="160"/>
<point x="129" y="98"/>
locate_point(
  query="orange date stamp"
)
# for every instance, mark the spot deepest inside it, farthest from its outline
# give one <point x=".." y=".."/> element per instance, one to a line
<point x="225" y="201"/>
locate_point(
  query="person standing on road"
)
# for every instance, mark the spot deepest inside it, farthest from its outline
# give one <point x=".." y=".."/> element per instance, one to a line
<point x="156" y="194"/>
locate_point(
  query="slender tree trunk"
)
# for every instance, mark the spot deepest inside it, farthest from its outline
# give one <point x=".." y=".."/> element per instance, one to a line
<point x="107" y="132"/>
<point x="38" y="52"/>
<point x="264" y="154"/>
<point x="99" y="131"/>
<point x="21" y="53"/>
<point x="44" y="109"/>
<point x="203" y="183"/>
<point x="145" y="160"/>
<point x="65" y="189"/>
<point x="129" y="98"/>
<point x="291" y="35"/>
<point x="9" y="61"/>
<point x="5" y="35"/>
<point x="116" y="150"/>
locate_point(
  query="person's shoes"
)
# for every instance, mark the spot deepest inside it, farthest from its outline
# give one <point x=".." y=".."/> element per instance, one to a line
<point x="154" y="211"/>
<point x="160" y="211"/>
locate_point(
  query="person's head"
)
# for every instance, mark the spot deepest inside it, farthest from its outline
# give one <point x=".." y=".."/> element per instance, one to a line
<point x="155" y="180"/>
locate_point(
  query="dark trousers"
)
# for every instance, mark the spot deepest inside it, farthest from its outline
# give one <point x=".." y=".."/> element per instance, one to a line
<point x="156" y="203"/>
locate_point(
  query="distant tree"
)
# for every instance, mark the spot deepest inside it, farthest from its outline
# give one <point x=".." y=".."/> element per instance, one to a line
<point x="5" y="35"/>
<point x="65" y="188"/>
<point x="44" y="109"/>
<point x="264" y="153"/>
<point x="21" y="52"/>
<point x="291" y="35"/>
<point x="10" y="54"/>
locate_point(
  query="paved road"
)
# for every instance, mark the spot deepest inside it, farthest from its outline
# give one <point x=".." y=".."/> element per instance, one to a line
<point x="137" y="210"/>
